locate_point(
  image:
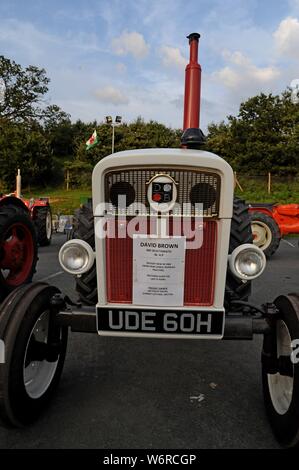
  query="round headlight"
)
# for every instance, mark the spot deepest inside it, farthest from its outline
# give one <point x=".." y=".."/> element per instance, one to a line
<point x="247" y="262"/>
<point x="76" y="256"/>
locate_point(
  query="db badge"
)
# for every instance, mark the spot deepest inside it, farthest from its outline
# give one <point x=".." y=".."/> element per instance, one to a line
<point x="162" y="193"/>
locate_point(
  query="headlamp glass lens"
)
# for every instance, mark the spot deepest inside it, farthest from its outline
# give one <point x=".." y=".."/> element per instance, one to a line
<point x="249" y="263"/>
<point x="75" y="257"/>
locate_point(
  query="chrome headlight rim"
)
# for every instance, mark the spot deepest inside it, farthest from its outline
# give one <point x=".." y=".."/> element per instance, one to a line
<point x="241" y="251"/>
<point x="86" y="251"/>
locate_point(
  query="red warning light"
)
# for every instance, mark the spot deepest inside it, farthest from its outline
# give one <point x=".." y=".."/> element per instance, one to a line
<point x="157" y="197"/>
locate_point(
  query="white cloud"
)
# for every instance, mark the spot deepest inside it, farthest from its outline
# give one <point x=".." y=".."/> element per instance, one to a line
<point x="130" y="43"/>
<point x="294" y="6"/>
<point x="110" y="94"/>
<point x="172" y="57"/>
<point x="243" y="75"/>
<point x="287" y="37"/>
<point x="22" y="38"/>
<point x="121" y="67"/>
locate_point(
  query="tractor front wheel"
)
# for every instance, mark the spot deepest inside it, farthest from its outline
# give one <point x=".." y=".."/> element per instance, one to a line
<point x="34" y="353"/>
<point x="18" y="248"/>
<point x="280" y="372"/>
<point x="43" y="224"/>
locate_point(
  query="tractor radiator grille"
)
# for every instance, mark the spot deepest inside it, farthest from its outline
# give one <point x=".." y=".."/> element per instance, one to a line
<point x="194" y="186"/>
<point x="199" y="269"/>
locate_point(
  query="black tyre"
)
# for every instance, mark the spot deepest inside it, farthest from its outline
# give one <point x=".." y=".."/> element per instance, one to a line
<point x="18" y="248"/>
<point x="281" y="376"/>
<point x="86" y="285"/>
<point x="43" y="225"/>
<point x="266" y="233"/>
<point x="240" y="233"/>
<point x="31" y="371"/>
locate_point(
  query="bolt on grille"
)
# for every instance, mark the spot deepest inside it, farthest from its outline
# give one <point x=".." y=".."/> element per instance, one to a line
<point x="194" y="187"/>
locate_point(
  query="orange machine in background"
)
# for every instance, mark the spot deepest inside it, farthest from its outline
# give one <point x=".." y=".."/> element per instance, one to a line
<point x="270" y="222"/>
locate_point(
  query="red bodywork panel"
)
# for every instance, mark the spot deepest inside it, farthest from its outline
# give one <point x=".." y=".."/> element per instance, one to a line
<point x="31" y="204"/>
<point x="285" y="215"/>
<point x="199" y="269"/>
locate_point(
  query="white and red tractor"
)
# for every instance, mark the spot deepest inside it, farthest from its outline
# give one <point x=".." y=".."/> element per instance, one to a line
<point x="165" y="251"/>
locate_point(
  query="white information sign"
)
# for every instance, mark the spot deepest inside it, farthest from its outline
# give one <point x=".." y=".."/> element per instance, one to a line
<point x="158" y="270"/>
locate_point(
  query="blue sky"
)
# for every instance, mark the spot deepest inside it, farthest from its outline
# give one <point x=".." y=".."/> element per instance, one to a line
<point x="128" y="57"/>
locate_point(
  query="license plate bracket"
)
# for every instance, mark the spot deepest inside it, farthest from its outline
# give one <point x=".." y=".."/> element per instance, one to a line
<point x="113" y="321"/>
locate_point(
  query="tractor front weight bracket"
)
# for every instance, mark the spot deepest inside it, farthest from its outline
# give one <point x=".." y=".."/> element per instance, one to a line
<point x="270" y="361"/>
<point x="238" y="325"/>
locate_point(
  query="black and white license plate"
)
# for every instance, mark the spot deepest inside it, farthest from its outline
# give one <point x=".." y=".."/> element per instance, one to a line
<point x="117" y="321"/>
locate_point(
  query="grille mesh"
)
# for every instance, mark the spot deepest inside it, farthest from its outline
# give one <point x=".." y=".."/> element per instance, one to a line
<point x="199" y="269"/>
<point x="205" y="186"/>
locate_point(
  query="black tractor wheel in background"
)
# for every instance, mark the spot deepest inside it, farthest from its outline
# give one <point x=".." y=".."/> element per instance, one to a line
<point x="240" y="233"/>
<point x="86" y="285"/>
<point x="43" y="225"/>
<point x="18" y="248"/>
<point x="280" y="372"/>
<point x="266" y="233"/>
<point x="33" y="361"/>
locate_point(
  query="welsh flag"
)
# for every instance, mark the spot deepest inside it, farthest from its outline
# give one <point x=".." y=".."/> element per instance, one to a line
<point x="92" y="141"/>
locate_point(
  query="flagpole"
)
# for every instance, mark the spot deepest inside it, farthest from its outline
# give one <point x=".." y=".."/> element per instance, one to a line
<point x="113" y="137"/>
<point x="110" y="122"/>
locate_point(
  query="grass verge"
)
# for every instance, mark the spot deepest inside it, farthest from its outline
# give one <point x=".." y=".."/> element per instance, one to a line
<point x="62" y="201"/>
<point x="254" y="190"/>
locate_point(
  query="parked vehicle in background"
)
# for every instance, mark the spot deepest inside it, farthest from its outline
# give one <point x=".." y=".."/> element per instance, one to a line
<point x="18" y="245"/>
<point x="40" y="213"/>
<point x="271" y="222"/>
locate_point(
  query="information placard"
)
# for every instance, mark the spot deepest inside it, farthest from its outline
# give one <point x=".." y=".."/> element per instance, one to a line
<point x="158" y="270"/>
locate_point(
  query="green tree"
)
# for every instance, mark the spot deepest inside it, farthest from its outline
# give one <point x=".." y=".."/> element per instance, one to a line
<point x="135" y="135"/>
<point x="25" y="147"/>
<point x="27" y="124"/>
<point x="25" y="90"/>
<point x="262" y="137"/>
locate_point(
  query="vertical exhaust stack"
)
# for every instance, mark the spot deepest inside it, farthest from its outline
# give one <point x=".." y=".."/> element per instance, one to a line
<point x="192" y="136"/>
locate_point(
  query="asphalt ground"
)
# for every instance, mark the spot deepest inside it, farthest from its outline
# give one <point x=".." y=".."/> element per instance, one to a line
<point x="132" y="394"/>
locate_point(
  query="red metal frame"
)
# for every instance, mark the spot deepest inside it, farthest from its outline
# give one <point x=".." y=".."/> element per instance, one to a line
<point x="285" y="215"/>
<point x="30" y="204"/>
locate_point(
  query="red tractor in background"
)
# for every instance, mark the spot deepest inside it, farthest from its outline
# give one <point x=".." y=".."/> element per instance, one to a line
<point x="270" y="222"/>
<point x="18" y="245"/>
<point x="39" y="211"/>
<point x="24" y="223"/>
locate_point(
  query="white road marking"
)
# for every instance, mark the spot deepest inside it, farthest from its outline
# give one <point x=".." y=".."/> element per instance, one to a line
<point x="289" y="243"/>
<point x="51" y="276"/>
<point x="198" y="398"/>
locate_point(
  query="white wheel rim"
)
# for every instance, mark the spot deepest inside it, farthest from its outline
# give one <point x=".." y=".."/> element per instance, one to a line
<point x="281" y="386"/>
<point x="49" y="225"/>
<point x="38" y="375"/>
<point x="262" y="235"/>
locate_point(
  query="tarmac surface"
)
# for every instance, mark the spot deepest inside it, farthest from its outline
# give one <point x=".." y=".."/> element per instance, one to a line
<point x="144" y="393"/>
